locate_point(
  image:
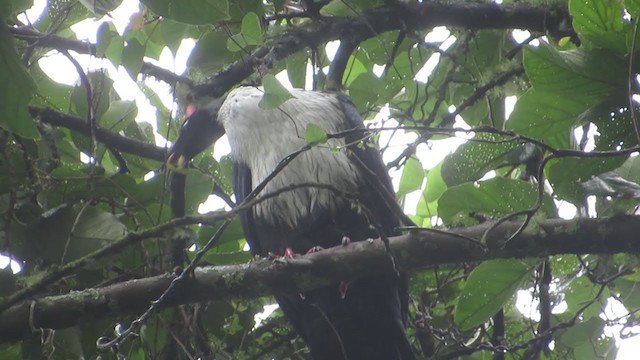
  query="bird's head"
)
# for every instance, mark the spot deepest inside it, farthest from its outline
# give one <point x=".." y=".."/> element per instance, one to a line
<point x="199" y="130"/>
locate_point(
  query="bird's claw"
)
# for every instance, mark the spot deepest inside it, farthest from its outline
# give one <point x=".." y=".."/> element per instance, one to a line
<point x="288" y="254"/>
<point x="314" y="249"/>
<point x="343" y="287"/>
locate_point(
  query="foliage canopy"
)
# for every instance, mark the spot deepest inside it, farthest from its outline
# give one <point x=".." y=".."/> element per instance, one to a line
<point x="570" y="143"/>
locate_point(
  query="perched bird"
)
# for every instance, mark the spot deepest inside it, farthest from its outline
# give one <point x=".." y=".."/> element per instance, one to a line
<point x="352" y="200"/>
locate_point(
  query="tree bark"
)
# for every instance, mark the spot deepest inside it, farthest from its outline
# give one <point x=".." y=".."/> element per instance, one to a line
<point x="416" y="250"/>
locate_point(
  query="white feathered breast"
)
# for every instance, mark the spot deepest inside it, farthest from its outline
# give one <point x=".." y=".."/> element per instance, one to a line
<point x="260" y="139"/>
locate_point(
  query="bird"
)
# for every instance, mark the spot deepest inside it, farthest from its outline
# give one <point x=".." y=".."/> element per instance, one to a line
<point x="352" y="200"/>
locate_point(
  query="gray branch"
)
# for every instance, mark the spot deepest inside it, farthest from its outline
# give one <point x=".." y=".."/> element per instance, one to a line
<point x="417" y="250"/>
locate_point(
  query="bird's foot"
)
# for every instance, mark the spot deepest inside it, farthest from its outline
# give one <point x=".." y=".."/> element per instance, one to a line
<point x="343" y="287"/>
<point x="288" y="254"/>
<point x="314" y="249"/>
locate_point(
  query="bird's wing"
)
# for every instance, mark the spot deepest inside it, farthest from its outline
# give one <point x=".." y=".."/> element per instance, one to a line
<point x="242" y="188"/>
<point x="378" y="189"/>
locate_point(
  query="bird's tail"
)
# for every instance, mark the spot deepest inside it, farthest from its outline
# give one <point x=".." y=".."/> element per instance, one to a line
<point x="366" y="324"/>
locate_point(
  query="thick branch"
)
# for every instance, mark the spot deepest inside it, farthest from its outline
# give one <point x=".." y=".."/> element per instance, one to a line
<point x="414" y="251"/>
<point x="84" y="47"/>
<point x="370" y="23"/>
<point x="111" y="139"/>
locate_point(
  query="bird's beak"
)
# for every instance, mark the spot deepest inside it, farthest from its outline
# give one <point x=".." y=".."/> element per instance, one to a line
<point x="200" y="129"/>
<point x="178" y="161"/>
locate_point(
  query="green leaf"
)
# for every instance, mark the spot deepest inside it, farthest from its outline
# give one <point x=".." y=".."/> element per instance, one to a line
<point x="210" y="52"/>
<point x="488" y="288"/>
<point x="364" y="90"/>
<point x="600" y="23"/>
<point x="197" y="190"/>
<point x="590" y="75"/>
<point x="566" y="174"/>
<point x="13" y="7"/>
<point x="195" y="12"/>
<point x="275" y="94"/>
<point x="16" y="90"/>
<point x="314" y="135"/>
<point x="101" y="7"/>
<point x="7" y="281"/>
<point x="251" y="29"/>
<point x="153" y="335"/>
<point x="49" y="92"/>
<point x="354" y="68"/>
<point x="474" y="159"/>
<point x="546" y="116"/>
<point x="582" y="333"/>
<point x="115" y="49"/>
<point x="119" y="115"/>
<point x="629" y="292"/>
<point x="173" y="33"/>
<point x="71" y="233"/>
<point x="494" y="197"/>
<point x="97" y="225"/>
<point x="69" y="342"/>
<point x="132" y="57"/>
<point x="630" y="170"/>
<point x="435" y="184"/>
<point x="580" y="293"/>
<point x="250" y="33"/>
<point x="297" y="69"/>
<point x="412" y="177"/>
<point x="101" y="86"/>
<point x="103" y="38"/>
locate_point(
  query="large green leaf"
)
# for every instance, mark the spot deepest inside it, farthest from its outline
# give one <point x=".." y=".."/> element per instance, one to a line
<point x="68" y="233"/>
<point x="195" y="12"/>
<point x="630" y="170"/>
<point x="211" y="53"/>
<point x="197" y="190"/>
<point x="546" y="116"/>
<point x="132" y="57"/>
<point x="49" y="92"/>
<point x="590" y="75"/>
<point x="100" y="7"/>
<point x="475" y="158"/>
<point x="580" y="293"/>
<point x="101" y="87"/>
<point x="364" y="90"/>
<point x="16" y="89"/>
<point x="251" y="33"/>
<point x="412" y="177"/>
<point x="297" y="69"/>
<point x="494" y="198"/>
<point x="582" y="333"/>
<point x="566" y="86"/>
<point x="566" y="174"/>
<point x="600" y="23"/>
<point x="488" y="288"/>
<point x="173" y="33"/>
<point x="435" y="184"/>
<point x="119" y="115"/>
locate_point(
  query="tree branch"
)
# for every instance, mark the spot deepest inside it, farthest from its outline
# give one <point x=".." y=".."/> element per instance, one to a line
<point x="416" y="250"/>
<point x="83" y="47"/>
<point x="370" y="23"/>
<point x="111" y="139"/>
